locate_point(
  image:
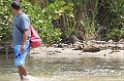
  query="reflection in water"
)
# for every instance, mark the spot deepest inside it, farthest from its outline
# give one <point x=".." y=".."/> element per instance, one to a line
<point x="98" y="71"/>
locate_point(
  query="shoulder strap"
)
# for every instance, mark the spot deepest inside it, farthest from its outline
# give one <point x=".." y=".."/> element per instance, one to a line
<point x="19" y="29"/>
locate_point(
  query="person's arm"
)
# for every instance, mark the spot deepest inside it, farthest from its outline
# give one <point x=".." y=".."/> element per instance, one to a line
<point x="25" y="25"/>
<point x="25" y="37"/>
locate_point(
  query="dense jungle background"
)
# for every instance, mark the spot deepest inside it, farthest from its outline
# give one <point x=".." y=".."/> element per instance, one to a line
<point x="57" y="20"/>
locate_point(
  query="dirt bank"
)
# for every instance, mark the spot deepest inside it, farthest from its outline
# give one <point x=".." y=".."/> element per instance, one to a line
<point x="52" y="54"/>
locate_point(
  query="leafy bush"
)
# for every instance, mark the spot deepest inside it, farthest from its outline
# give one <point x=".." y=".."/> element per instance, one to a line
<point x="112" y="19"/>
<point x="6" y="20"/>
<point x="116" y="34"/>
<point x="59" y="14"/>
<point x="88" y="16"/>
<point x="40" y="21"/>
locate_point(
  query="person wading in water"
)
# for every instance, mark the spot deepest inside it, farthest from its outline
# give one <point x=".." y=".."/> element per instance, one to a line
<point x="21" y="42"/>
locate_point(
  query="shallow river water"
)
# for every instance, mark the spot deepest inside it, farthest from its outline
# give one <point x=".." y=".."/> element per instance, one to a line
<point x="111" y="71"/>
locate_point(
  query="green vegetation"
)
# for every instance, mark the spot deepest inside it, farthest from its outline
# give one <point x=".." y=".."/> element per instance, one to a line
<point x="56" y="20"/>
<point x="6" y="20"/>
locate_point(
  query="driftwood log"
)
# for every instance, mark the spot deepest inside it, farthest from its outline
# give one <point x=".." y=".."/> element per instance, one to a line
<point x="91" y="48"/>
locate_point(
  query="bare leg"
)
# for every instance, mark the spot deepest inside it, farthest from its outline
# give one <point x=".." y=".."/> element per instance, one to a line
<point x="20" y="74"/>
<point x="22" y="71"/>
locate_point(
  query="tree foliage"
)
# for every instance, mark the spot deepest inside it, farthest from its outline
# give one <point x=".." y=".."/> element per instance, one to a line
<point x="56" y="20"/>
<point x="6" y="20"/>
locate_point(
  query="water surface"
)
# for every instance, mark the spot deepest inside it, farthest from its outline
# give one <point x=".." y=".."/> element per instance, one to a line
<point x="87" y="71"/>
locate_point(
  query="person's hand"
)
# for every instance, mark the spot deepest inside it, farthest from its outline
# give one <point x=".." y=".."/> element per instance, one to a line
<point x="22" y="49"/>
<point x="11" y="45"/>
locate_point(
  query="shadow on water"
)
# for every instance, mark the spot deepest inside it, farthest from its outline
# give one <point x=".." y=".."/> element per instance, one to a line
<point x="91" y="69"/>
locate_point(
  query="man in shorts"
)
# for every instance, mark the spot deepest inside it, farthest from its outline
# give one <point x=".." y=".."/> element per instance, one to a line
<point x="21" y="43"/>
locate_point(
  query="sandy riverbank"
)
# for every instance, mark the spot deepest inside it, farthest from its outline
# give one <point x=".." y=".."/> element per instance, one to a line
<point x="45" y="54"/>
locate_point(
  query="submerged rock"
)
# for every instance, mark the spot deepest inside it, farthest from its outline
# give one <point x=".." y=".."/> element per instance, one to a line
<point x="73" y="39"/>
